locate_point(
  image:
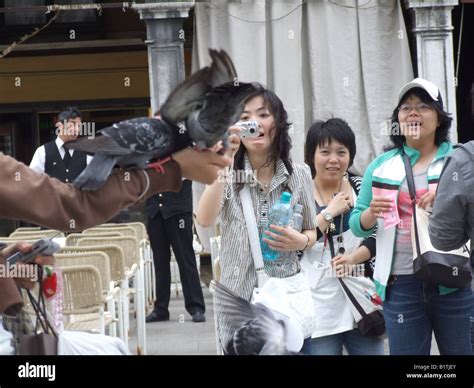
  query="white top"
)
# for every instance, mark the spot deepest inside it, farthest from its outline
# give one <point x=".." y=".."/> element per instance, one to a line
<point x="333" y="311"/>
<point x="39" y="158"/>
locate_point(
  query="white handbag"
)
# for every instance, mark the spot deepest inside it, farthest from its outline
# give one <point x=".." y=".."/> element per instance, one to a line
<point x="296" y="287"/>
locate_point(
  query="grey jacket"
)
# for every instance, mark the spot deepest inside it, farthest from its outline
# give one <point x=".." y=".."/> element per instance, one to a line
<point x="452" y="221"/>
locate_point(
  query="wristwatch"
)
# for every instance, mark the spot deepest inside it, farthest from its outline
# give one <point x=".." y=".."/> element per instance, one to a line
<point x="327" y="216"/>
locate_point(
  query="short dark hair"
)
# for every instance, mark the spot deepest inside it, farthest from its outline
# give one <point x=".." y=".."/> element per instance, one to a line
<point x="68" y="114"/>
<point x="444" y="119"/>
<point x="324" y="132"/>
<point x="281" y="145"/>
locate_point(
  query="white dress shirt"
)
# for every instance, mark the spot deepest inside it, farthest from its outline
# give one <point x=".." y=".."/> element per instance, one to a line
<point x="39" y="158"/>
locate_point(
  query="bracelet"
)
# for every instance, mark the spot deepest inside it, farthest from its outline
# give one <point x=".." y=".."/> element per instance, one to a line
<point x="307" y="243"/>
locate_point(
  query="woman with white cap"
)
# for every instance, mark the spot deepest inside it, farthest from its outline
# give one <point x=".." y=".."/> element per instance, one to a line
<point x="413" y="309"/>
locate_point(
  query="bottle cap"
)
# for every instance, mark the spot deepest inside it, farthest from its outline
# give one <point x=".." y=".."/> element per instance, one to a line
<point x="285" y="197"/>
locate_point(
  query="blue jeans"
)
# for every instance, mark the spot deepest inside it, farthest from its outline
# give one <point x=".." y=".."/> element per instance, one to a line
<point x="413" y="309"/>
<point x="355" y="343"/>
<point x="306" y="349"/>
<point x="472" y="330"/>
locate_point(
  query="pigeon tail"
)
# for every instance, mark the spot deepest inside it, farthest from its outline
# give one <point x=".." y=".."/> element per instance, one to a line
<point x="96" y="173"/>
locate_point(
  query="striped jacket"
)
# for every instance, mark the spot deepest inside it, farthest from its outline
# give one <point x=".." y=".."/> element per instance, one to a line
<point x="383" y="176"/>
<point x="237" y="266"/>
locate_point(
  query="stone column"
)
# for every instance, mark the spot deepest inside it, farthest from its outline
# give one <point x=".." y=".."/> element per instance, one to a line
<point x="165" y="37"/>
<point x="434" y="49"/>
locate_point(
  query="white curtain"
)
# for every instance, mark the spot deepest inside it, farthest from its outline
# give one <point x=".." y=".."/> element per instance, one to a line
<point x="324" y="58"/>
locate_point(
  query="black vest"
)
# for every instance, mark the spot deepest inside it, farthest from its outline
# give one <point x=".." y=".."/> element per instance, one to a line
<point x="171" y="204"/>
<point x="54" y="165"/>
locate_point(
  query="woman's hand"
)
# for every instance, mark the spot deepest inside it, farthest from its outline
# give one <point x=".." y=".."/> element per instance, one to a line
<point x="234" y="142"/>
<point x="344" y="265"/>
<point x="339" y="204"/>
<point x="380" y="205"/>
<point x="285" y="239"/>
<point x="426" y="201"/>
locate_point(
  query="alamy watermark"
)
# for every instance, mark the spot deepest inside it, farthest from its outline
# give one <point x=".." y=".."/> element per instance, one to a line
<point x="389" y="128"/>
<point x="85" y="128"/>
<point x="237" y="176"/>
<point x="19" y="271"/>
<point x="343" y="270"/>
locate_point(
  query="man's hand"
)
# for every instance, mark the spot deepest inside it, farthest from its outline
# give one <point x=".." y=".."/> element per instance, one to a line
<point x="25" y="247"/>
<point x="201" y="166"/>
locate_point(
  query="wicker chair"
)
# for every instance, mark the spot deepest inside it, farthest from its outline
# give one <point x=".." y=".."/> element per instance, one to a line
<point x="123" y="230"/>
<point x="37" y="234"/>
<point x="71" y="239"/>
<point x="134" y="269"/>
<point x="117" y="274"/>
<point x="146" y="255"/>
<point x="83" y="303"/>
<point x="100" y="261"/>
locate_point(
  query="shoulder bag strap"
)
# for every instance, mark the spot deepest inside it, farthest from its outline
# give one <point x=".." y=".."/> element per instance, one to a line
<point x="411" y="190"/>
<point x="252" y="230"/>
<point x="39" y="306"/>
<point x="349" y="294"/>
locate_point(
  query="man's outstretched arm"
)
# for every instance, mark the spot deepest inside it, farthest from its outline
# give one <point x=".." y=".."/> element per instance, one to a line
<point x="28" y="196"/>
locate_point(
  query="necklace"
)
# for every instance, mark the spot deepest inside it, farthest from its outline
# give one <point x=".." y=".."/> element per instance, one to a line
<point x="332" y="226"/>
<point x="319" y="193"/>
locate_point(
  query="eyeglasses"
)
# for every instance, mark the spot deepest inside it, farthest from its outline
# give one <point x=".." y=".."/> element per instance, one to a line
<point x="405" y="109"/>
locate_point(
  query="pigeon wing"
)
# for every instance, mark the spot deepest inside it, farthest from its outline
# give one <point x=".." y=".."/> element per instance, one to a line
<point x="223" y="107"/>
<point x="222" y="68"/>
<point x="141" y="135"/>
<point x="100" y="144"/>
<point x="186" y="97"/>
<point x="254" y="326"/>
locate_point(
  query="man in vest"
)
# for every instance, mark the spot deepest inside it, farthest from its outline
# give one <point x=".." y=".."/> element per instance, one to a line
<point x="54" y="159"/>
<point x="170" y="224"/>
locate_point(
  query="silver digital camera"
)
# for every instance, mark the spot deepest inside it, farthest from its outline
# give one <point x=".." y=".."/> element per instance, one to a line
<point x="249" y="129"/>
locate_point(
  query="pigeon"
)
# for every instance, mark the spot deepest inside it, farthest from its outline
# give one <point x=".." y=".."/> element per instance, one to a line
<point x="257" y="329"/>
<point x="198" y="112"/>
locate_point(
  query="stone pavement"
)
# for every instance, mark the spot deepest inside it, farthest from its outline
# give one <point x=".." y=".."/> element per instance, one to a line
<point x="180" y="335"/>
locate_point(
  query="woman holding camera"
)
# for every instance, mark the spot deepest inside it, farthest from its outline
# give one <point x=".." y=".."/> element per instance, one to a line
<point x="413" y="309"/>
<point x="265" y="160"/>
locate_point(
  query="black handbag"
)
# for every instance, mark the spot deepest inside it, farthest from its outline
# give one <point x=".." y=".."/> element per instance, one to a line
<point x="449" y="269"/>
<point x="39" y="343"/>
<point x="371" y="324"/>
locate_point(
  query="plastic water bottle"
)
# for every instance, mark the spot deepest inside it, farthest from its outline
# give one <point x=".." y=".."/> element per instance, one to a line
<point x="280" y="214"/>
<point x="297" y="220"/>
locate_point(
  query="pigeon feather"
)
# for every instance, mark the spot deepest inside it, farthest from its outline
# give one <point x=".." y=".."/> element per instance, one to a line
<point x="256" y="330"/>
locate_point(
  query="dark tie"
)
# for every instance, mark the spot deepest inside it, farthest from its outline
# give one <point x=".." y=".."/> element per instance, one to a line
<point x="67" y="157"/>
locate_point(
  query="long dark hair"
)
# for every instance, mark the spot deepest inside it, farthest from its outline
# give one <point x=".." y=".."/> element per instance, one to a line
<point x="444" y="119"/>
<point x="281" y="144"/>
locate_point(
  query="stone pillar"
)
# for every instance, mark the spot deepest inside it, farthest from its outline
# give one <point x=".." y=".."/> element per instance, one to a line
<point x="165" y="37"/>
<point x="434" y="49"/>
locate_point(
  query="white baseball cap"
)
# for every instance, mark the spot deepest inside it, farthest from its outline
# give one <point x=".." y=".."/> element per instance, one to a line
<point x="427" y="86"/>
